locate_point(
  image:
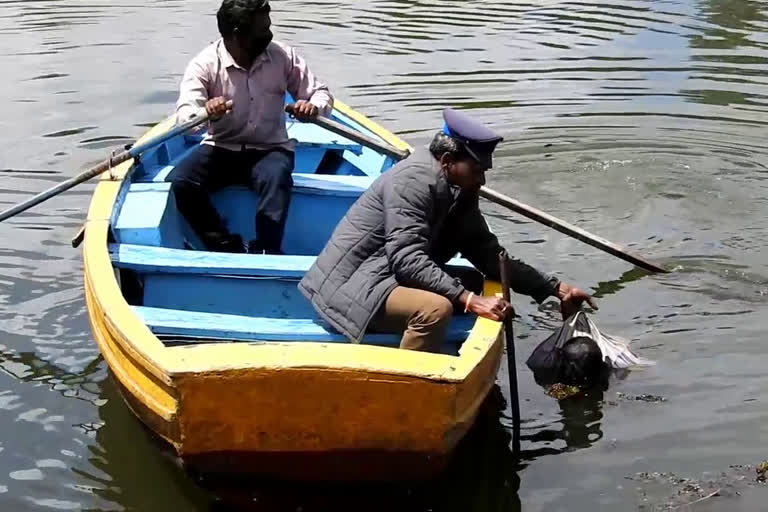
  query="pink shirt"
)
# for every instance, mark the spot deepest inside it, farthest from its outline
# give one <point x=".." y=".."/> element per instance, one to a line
<point x="257" y="120"/>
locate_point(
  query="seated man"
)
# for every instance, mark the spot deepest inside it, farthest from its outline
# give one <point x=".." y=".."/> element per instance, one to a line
<point x="383" y="268"/>
<point x="247" y="72"/>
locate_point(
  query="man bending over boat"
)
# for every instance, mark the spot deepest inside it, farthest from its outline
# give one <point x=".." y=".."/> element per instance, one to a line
<point x="249" y="73"/>
<point x="384" y="267"/>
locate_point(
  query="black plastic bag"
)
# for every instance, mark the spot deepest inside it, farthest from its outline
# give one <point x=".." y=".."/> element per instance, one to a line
<point x="571" y="356"/>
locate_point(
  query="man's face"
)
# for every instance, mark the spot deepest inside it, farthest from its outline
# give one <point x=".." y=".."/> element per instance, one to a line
<point x="255" y="38"/>
<point x="466" y="173"/>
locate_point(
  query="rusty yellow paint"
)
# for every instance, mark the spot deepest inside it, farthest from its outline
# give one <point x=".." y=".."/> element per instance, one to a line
<point x="283" y="398"/>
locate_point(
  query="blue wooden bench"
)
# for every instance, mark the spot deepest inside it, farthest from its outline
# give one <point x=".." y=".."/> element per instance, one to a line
<point x="196" y="326"/>
<point x="164" y="260"/>
<point x="148" y="214"/>
<point x="172" y="303"/>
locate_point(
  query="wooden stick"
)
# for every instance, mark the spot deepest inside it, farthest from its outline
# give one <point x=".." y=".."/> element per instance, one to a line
<point x="710" y="495"/>
<point x="569" y="229"/>
<point x="355" y="136"/>
<point x="103" y="166"/>
<point x="509" y="336"/>
<point x="492" y="195"/>
<point x="79" y="237"/>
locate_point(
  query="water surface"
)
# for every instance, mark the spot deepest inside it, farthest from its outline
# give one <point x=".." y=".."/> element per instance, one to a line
<point x="643" y="121"/>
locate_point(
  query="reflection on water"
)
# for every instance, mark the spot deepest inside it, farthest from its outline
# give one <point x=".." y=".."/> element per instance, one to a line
<point x="641" y="121"/>
<point x="482" y="476"/>
<point x="579" y="427"/>
<point x="128" y="466"/>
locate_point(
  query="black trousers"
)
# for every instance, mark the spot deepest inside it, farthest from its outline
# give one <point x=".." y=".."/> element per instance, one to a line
<point x="210" y="168"/>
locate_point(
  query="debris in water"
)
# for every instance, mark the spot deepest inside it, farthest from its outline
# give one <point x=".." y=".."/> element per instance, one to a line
<point x="760" y="470"/>
<point x="657" y="491"/>
<point x="561" y="391"/>
<point x="640" y="398"/>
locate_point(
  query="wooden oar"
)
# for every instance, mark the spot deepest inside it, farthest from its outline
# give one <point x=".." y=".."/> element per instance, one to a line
<point x="500" y="199"/>
<point x="107" y="164"/>
<point x="509" y="336"/>
<point x="355" y="136"/>
<point x="569" y="229"/>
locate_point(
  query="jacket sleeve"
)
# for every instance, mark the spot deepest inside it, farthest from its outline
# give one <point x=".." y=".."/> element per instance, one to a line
<point x="407" y="208"/>
<point x="482" y="249"/>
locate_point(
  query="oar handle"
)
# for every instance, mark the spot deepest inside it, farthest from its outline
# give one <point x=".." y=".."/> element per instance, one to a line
<point x="568" y="229"/>
<point x="107" y="164"/>
<point x="355" y="136"/>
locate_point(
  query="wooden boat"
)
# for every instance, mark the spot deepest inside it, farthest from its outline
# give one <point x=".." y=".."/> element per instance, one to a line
<point x="221" y="356"/>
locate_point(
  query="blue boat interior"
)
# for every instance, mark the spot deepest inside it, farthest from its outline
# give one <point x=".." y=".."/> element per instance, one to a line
<point x="188" y="295"/>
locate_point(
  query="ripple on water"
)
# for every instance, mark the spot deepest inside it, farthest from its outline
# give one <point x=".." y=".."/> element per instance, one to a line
<point x="641" y="121"/>
<point x="27" y="474"/>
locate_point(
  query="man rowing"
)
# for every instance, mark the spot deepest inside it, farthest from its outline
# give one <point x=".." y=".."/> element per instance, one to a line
<point x="249" y="73"/>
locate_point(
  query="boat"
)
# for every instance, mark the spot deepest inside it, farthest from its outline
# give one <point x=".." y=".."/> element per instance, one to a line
<point x="220" y="355"/>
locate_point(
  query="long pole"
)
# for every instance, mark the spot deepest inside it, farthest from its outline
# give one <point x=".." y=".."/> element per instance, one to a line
<point x="569" y="229"/>
<point x="107" y="164"/>
<point x="500" y="199"/>
<point x="355" y="136"/>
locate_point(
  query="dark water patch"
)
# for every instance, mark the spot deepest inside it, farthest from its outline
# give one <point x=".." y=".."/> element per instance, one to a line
<point x="49" y="76"/>
<point x="29" y="171"/>
<point x="36" y="228"/>
<point x="71" y="131"/>
<point x="162" y="97"/>
<point x="30" y="54"/>
<point x="147" y="125"/>
<point x="106" y="141"/>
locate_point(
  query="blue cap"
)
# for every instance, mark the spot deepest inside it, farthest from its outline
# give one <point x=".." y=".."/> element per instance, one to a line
<point x="478" y="140"/>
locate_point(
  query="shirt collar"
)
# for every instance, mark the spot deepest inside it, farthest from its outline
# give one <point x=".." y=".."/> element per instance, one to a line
<point x="228" y="61"/>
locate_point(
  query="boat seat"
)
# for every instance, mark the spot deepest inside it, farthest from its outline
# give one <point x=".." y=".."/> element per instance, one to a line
<point x="148" y="215"/>
<point x="194" y="327"/>
<point x="163" y="260"/>
<point x="312" y="142"/>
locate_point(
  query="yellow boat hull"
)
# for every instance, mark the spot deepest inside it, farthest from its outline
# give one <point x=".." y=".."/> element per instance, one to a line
<point x="319" y="411"/>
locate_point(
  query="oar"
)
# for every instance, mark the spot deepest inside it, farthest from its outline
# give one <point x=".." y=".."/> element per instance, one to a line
<point x="107" y="164"/>
<point x="355" y="136"/>
<point x="569" y="229"/>
<point x="509" y="336"/>
<point x="500" y="199"/>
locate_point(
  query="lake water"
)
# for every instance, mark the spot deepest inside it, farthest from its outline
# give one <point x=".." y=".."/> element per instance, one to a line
<point x="642" y="121"/>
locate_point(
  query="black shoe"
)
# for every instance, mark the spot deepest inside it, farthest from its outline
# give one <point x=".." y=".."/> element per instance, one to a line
<point x="224" y="242"/>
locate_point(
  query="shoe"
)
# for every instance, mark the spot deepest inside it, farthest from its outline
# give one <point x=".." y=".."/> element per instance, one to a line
<point x="224" y="242"/>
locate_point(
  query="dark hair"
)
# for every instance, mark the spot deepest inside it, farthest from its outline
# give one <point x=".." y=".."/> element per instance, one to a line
<point x="239" y="14"/>
<point x="442" y="143"/>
